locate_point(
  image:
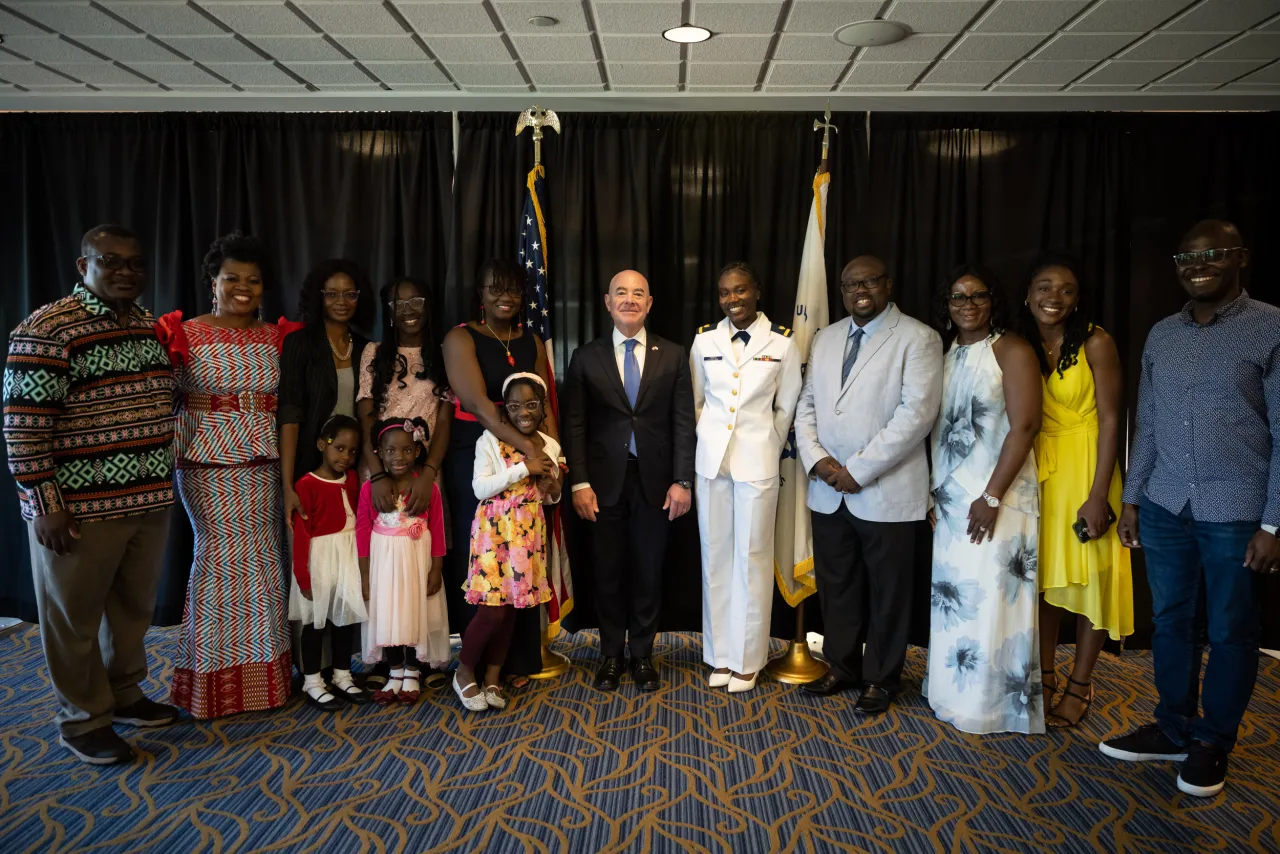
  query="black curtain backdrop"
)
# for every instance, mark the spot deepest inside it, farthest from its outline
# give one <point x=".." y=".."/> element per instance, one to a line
<point x="371" y="187"/>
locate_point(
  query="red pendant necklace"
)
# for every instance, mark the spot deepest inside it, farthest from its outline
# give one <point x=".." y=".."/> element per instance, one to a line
<point x="506" y="345"/>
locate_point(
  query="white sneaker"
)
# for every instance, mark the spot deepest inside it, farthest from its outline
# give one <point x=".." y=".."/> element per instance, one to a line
<point x="478" y="703"/>
<point x="737" y="686"/>
<point x="719" y="680"/>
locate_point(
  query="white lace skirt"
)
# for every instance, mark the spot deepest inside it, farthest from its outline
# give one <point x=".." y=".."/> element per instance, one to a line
<point x="400" y="611"/>
<point x="336" y="596"/>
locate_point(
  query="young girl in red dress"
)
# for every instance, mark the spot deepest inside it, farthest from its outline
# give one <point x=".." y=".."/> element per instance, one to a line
<point x="327" y="591"/>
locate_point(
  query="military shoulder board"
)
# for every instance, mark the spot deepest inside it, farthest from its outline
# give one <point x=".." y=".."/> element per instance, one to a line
<point x="779" y="329"/>
<point x="706" y="327"/>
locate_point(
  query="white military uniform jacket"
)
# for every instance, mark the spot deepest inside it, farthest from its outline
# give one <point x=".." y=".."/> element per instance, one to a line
<point x="744" y="404"/>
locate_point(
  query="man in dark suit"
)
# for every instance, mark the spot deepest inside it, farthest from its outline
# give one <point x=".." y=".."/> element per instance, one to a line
<point x="629" y="437"/>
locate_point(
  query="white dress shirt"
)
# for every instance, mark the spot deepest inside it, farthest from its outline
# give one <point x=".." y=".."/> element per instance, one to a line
<point x="620" y="354"/>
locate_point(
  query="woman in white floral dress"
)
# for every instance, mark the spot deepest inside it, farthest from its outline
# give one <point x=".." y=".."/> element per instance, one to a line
<point x="984" y="661"/>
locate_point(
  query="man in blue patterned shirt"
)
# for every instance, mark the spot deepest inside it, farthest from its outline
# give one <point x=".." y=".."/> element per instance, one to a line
<point x="1202" y="500"/>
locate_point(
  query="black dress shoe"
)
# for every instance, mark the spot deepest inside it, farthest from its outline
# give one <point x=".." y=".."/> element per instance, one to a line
<point x="874" y="700"/>
<point x="609" y="673"/>
<point x="101" y="746"/>
<point x="828" y="685"/>
<point x="645" y="674"/>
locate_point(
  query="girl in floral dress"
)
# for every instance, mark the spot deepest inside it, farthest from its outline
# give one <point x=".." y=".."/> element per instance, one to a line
<point x="508" y="540"/>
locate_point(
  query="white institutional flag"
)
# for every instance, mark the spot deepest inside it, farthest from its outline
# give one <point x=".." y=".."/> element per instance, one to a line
<point x="793" y="542"/>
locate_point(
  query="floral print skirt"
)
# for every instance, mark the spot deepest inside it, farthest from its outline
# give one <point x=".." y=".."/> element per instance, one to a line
<point x="983" y="674"/>
<point x="509" y="550"/>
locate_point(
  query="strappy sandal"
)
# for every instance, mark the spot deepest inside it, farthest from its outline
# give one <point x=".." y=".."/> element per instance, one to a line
<point x="331" y="704"/>
<point x="1051" y="692"/>
<point x="1051" y="718"/>
<point x="433" y="677"/>
<point x="410" y="691"/>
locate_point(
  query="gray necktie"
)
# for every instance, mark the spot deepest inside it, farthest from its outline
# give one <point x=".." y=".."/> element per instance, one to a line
<point x="855" y="342"/>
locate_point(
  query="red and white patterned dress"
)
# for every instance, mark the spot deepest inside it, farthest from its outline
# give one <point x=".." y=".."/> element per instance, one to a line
<point x="233" y="651"/>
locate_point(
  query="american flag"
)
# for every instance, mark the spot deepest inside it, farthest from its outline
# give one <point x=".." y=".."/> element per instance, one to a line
<point x="537" y="313"/>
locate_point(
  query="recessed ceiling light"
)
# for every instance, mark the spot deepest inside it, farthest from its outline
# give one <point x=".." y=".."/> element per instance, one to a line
<point x="687" y="34"/>
<point x="543" y="21"/>
<point x="871" y="33"/>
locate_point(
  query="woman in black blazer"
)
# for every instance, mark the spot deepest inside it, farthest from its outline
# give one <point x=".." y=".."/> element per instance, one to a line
<point x="318" y="365"/>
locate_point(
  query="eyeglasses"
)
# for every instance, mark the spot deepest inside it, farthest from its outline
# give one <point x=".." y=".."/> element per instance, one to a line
<point x="411" y="304"/>
<point x="530" y="407"/>
<point x="1207" y="256"/>
<point x="862" y="284"/>
<point x="977" y="298"/>
<point x="497" y="289"/>
<point x="136" y="263"/>
<point x="345" y="296"/>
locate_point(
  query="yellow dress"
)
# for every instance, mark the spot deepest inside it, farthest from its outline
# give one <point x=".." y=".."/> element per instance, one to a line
<point x="1094" y="578"/>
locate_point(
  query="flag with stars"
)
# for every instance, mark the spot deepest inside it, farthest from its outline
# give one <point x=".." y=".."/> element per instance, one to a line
<point x="537" y="314"/>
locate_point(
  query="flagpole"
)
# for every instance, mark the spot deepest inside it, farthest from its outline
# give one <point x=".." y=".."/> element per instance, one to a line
<point x="797" y="665"/>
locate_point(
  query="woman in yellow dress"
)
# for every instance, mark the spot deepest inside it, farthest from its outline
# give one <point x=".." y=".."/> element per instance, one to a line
<point x="1076" y="455"/>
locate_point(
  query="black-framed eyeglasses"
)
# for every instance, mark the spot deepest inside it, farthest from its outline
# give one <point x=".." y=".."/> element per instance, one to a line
<point x="1206" y="256"/>
<point x="410" y="304"/>
<point x="530" y="406"/>
<point x="497" y="289"/>
<point x="977" y="298"/>
<point x="869" y="284"/>
<point x="345" y="296"/>
<point x="136" y="263"/>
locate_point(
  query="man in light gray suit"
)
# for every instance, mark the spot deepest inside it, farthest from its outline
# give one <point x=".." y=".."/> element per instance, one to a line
<point x="871" y="395"/>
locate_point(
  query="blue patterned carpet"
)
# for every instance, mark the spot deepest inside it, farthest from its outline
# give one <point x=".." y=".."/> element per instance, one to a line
<point x="569" y="769"/>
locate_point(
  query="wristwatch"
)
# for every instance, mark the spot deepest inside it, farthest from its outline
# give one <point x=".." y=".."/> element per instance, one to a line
<point x="686" y="484"/>
<point x="991" y="500"/>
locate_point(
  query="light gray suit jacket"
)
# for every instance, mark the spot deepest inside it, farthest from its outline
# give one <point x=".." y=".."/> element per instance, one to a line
<point x="876" y="422"/>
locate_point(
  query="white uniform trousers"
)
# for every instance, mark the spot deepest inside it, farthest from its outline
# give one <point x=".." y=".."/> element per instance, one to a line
<point x="736" y="521"/>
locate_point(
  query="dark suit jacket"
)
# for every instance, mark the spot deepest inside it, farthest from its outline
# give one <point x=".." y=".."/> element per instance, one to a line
<point x="598" y="420"/>
<point x="309" y="388"/>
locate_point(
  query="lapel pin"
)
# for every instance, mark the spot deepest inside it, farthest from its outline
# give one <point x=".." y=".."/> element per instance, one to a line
<point x="654" y="347"/>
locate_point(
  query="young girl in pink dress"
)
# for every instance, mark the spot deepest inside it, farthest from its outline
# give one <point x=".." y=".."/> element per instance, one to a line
<point x="402" y="558"/>
<point x="508" y="540"/>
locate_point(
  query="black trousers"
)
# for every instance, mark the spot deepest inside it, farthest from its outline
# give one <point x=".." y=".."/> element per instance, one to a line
<point x="341" y="644"/>
<point x="864" y="573"/>
<point x="629" y="544"/>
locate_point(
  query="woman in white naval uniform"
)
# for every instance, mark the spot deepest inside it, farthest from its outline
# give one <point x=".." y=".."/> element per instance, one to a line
<point x="746" y="381"/>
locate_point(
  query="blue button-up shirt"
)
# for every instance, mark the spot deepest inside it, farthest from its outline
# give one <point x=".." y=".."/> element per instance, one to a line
<point x="1209" y="415"/>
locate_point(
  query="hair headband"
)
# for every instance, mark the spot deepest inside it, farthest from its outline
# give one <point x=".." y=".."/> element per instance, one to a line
<point x="409" y="427"/>
<point x="523" y="375"/>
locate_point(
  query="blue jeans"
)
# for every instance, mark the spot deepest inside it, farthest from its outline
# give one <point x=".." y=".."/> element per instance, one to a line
<point x="1181" y="553"/>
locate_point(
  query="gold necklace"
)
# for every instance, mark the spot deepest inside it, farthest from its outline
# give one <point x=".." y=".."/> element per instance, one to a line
<point x="345" y="355"/>
<point x="511" y="360"/>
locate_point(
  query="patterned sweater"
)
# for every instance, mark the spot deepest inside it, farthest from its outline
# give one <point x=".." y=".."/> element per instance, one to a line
<point x="88" y="411"/>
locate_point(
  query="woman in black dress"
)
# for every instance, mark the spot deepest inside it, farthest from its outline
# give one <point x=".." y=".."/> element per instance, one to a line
<point x="478" y="356"/>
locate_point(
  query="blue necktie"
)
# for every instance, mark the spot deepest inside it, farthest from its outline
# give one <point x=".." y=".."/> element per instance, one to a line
<point x="744" y="335"/>
<point x="631" y="382"/>
<point x="855" y="342"/>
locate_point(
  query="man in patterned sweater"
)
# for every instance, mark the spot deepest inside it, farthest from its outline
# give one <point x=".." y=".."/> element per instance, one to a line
<point x="88" y="421"/>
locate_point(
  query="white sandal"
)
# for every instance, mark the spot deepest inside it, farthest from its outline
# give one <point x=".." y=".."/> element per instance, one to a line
<point x="493" y="696"/>
<point x="478" y="703"/>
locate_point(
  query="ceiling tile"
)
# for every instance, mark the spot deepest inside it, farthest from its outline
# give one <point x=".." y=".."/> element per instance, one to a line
<point x="446" y="86"/>
<point x="252" y="73"/>
<point x="911" y="49"/>
<point x="177" y="74"/>
<point x="103" y="74"/>
<point x="718" y="87"/>
<point x="1044" y="73"/>
<point x="731" y="49"/>
<point x="1228" y="16"/>
<point x="367" y="86"/>
<point x="129" y="49"/>
<point x="277" y="88"/>
<point x="886" y="73"/>
<point x="47" y="49"/>
<point x="261" y="19"/>
<point x="737" y="17"/>
<point x="950" y="87"/>
<point x="167" y="19"/>
<point x="516" y="16"/>
<point x="638" y="18"/>
<point x="1201" y="72"/>
<point x="1128" y="16"/>
<point x="724" y="73"/>
<point x="1029" y="16"/>
<point x="1089" y="88"/>
<point x="573" y="48"/>
<point x="329" y="72"/>
<point x="931" y="16"/>
<point x="486" y="74"/>
<point x="975" y="47"/>
<point x="1010" y="87"/>
<point x="383" y="47"/>
<point x="29" y="74"/>
<point x="882" y="87"/>
<point x="639" y="47"/>
<point x="354" y="19"/>
<point x="469" y="48"/>
<point x="13" y="26"/>
<point x="418" y="73"/>
<point x="563" y="73"/>
<point x="826" y="17"/>
<point x="74" y="19"/>
<point x="447" y="18"/>
<point x="1272" y="25"/>
<point x="1116" y="73"/>
<point x="971" y="73"/>
<point x="647" y="88"/>
<point x="572" y="90"/>
<point x="1166" y="87"/>
<point x="498" y="89"/>
<point x="213" y="49"/>
<point x="644" y="73"/>
<point x="818" y="75"/>
<point x="1265" y="46"/>
<point x="1270" y="74"/>
<point x="1094" y="46"/>
<point x="811" y="48"/>
<point x="1182" y="46"/>
<point x="298" y="48"/>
